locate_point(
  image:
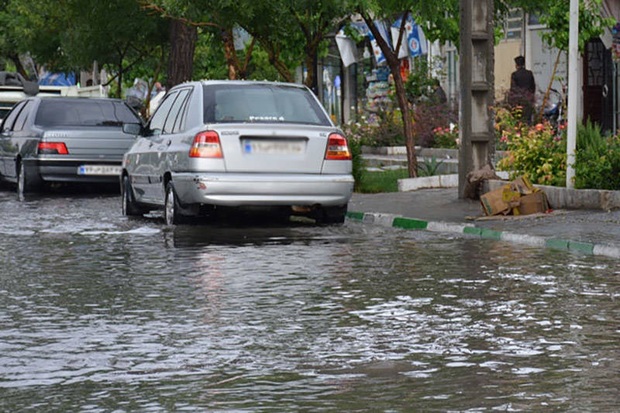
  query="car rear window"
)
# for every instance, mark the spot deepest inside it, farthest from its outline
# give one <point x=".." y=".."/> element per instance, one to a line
<point x="83" y="112"/>
<point x="262" y="103"/>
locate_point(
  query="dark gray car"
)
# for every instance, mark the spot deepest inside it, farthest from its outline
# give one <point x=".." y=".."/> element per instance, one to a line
<point x="54" y="139"/>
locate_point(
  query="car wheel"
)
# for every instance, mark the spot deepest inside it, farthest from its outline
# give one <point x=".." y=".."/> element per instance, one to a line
<point x="332" y="215"/>
<point x="130" y="207"/>
<point x="172" y="209"/>
<point x="25" y="182"/>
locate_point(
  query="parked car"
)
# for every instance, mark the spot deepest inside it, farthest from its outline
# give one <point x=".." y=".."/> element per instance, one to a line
<point x="227" y="146"/>
<point x="58" y="139"/>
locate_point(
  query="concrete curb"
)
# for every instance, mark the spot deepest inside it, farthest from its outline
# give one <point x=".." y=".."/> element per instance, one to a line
<point x="439" y="181"/>
<point x="565" y="198"/>
<point x="397" y="221"/>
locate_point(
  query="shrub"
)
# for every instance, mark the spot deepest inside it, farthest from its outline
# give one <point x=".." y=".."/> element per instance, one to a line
<point x="385" y="129"/>
<point x="359" y="164"/>
<point x="354" y="133"/>
<point x="446" y="137"/>
<point x="507" y="124"/>
<point x="429" y="167"/>
<point x="427" y="117"/>
<point x="597" y="159"/>
<point x="540" y="153"/>
<point x="537" y="151"/>
<point x="389" y="130"/>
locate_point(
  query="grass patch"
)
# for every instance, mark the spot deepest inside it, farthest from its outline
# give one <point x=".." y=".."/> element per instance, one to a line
<point x="373" y="182"/>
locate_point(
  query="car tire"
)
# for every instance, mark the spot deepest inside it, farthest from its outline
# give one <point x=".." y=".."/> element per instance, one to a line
<point x="332" y="215"/>
<point x="25" y="181"/>
<point x="129" y="205"/>
<point x="172" y="208"/>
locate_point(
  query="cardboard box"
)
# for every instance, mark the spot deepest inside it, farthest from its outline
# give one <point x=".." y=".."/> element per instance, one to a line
<point x="522" y="185"/>
<point x="493" y="201"/>
<point x="533" y="203"/>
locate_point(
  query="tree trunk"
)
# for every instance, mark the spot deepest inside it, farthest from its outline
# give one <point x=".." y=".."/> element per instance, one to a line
<point x="311" y="75"/>
<point x="182" y="45"/>
<point x="230" y="54"/>
<point x="405" y="110"/>
<point x="14" y="57"/>
<point x="119" y="77"/>
<point x="274" y="58"/>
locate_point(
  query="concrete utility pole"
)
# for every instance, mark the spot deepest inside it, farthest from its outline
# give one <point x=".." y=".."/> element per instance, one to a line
<point x="476" y="66"/>
<point x="573" y="58"/>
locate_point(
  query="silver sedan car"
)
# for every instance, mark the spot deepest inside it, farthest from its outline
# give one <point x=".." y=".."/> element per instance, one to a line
<point x="226" y="146"/>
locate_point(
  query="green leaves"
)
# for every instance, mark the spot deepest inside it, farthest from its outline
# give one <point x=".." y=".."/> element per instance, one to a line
<point x="597" y="159"/>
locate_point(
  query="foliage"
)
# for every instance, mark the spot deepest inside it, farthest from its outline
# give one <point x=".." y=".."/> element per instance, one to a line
<point x="359" y="131"/>
<point x="539" y="152"/>
<point x="446" y="137"/>
<point x="419" y="83"/>
<point x="359" y="164"/>
<point x="555" y="15"/>
<point x="209" y="61"/>
<point x="428" y="117"/>
<point x="385" y="129"/>
<point x="597" y="159"/>
<point x="261" y="69"/>
<point x="70" y="35"/>
<point x="429" y="167"/>
<point x="507" y="124"/>
<point x="536" y="151"/>
<point x="388" y="130"/>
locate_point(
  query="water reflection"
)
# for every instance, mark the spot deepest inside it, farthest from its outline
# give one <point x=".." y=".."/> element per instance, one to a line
<point x="102" y="313"/>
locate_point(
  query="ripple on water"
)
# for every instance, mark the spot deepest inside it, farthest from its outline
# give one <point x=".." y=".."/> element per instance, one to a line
<point x="130" y="315"/>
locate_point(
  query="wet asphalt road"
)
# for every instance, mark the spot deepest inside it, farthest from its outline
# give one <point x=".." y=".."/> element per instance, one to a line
<point x="103" y="313"/>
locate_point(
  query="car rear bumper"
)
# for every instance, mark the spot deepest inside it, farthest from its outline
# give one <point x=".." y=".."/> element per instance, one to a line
<point x="263" y="189"/>
<point x="68" y="171"/>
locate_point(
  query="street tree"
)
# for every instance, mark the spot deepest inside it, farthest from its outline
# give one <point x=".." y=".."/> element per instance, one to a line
<point x="295" y="32"/>
<point x="117" y="32"/>
<point x="216" y="19"/>
<point x="69" y="35"/>
<point x="439" y="20"/>
<point x="28" y="33"/>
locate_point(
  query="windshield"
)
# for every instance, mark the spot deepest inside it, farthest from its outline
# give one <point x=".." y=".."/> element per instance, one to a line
<point x="83" y="112"/>
<point x="262" y="103"/>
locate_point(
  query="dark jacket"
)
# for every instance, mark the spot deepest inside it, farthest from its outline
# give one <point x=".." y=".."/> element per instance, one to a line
<point x="522" y="81"/>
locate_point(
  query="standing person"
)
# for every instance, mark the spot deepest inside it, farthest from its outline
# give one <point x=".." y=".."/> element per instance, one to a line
<point x="438" y="95"/>
<point x="523" y="89"/>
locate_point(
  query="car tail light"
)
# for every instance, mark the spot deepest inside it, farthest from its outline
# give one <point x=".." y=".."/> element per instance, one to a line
<point x="337" y="148"/>
<point x="206" y="145"/>
<point x="52" y="148"/>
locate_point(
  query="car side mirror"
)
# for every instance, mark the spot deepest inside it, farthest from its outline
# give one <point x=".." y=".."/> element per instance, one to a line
<point x="132" y="128"/>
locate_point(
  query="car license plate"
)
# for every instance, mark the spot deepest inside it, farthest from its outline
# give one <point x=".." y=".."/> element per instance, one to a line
<point x="276" y="147"/>
<point x="99" y="170"/>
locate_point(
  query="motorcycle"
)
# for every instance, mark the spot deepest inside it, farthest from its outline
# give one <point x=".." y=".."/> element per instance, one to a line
<point x="555" y="107"/>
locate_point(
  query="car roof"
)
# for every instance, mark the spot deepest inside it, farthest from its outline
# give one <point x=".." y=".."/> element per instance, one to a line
<point x="74" y="98"/>
<point x="244" y="83"/>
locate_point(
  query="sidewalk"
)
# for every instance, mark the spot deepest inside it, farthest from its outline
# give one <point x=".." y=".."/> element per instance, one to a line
<point x="589" y="231"/>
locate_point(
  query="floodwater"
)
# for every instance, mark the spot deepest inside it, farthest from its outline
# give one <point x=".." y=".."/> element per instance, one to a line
<point x="100" y="313"/>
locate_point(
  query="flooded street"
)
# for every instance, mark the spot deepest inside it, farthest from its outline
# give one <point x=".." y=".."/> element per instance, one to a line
<point x="100" y="313"/>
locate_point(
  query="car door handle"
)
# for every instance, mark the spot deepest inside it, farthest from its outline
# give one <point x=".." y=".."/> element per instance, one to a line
<point x="169" y="142"/>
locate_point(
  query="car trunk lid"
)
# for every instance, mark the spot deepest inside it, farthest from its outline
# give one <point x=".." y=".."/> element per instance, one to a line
<point x="100" y="143"/>
<point x="269" y="148"/>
